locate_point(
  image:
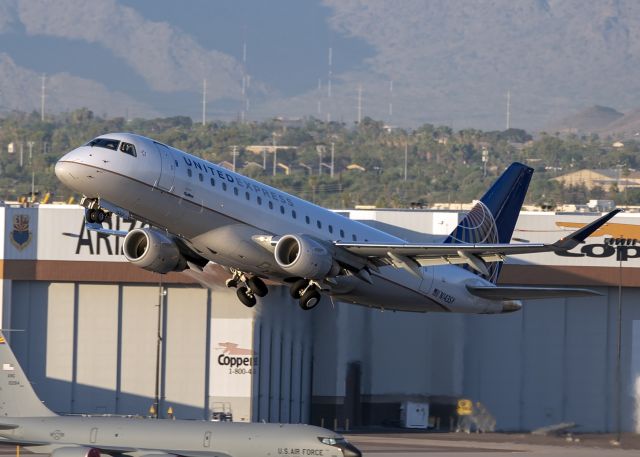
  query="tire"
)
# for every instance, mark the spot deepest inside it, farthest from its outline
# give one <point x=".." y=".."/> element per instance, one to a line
<point x="297" y="287"/>
<point x="310" y="299"/>
<point x="91" y="216"/>
<point x="231" y="283"/>
<point x="100" y="216"/>
<point x="257" y="286"/>
<point x="247" y="300"/>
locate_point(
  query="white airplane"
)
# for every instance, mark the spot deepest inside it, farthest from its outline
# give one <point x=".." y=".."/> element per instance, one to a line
<point x="200" y="212"/>
<point x="26" y="421"/>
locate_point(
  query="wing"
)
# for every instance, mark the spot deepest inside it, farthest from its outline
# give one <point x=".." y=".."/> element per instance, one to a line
<point x="528" y="293"/>
<point x="411" y="256"/>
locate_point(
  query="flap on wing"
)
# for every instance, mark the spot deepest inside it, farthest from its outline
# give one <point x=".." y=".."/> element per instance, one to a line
<point x="528" y="293"/>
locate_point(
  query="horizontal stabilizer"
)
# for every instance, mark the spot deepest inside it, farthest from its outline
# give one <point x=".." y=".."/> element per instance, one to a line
<point x="528" y="293"/>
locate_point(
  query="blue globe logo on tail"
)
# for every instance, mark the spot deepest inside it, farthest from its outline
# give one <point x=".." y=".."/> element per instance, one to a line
<point x="493" y="218"/>
<point x="478" y="226"/>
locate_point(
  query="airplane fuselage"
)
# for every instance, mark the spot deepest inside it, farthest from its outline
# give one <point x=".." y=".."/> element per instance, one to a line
<point x="218" y="213"/>
<point x="178" y="437"/>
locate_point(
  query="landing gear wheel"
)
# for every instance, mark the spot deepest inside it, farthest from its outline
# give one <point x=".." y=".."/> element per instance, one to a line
<point x="297" y="288"/>
<point x="96" y="216"/>
<point x="231" y="283"/>
<point x="257" y="286"/>
<point x="246" y="297"/>
<point x="310" y="299"/>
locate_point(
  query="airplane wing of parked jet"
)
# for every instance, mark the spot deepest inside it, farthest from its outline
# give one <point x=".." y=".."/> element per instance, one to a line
<point x="199" y="214"/>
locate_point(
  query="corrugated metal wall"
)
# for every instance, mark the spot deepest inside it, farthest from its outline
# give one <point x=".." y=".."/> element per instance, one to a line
<point x="91" y="348"/>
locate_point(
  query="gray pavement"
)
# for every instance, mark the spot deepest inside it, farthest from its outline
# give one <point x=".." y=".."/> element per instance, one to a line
<point x="460" y="445"/>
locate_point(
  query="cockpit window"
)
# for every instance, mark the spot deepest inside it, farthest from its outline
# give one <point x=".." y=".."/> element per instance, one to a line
<point x="104" y="143"/>
<point x="128" y="148"/>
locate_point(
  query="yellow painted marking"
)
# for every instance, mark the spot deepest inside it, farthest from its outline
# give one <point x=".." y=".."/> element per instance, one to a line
<point x="612" y="229"/>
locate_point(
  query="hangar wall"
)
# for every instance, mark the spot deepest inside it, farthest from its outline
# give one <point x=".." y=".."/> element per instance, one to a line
<point x="90" y="336"/>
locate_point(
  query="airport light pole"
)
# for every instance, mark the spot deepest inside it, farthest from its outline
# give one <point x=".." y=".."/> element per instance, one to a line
<point x="33" y="173"/>
<point x="619" y="359"/>
<point x="275" y="152"/>
<point x="234" y="153"/>
<point x="162" y="293"/>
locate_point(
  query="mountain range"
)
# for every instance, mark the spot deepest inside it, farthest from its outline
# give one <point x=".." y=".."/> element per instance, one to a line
<point x="449" y="62"/>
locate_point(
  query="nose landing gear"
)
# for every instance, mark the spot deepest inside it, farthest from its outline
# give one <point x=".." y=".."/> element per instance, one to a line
<point x="93" y="212"/>
<point x="253" y="287"/>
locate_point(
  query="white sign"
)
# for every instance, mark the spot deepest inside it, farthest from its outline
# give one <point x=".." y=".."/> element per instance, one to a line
<point x="233" y="360"/>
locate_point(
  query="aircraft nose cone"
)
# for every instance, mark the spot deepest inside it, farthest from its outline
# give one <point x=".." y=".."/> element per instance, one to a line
<point x="63" y="171"/>
<point x="349" y="450"/>
<point x="66" y="165"/>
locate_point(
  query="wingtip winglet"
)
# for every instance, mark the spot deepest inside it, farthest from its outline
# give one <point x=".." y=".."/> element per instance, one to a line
<point x="583" y="233"/>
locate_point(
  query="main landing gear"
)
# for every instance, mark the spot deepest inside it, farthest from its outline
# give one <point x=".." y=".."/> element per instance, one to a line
<point x="253" y="287"/>
<point x="307" y="292"/>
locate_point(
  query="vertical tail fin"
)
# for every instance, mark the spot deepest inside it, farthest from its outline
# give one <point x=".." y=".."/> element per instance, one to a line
<point x="493" y="218"/>
<point x="17" y="397"/>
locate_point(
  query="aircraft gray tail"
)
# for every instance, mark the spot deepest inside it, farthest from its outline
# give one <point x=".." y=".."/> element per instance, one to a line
<point x="17" y="397"/>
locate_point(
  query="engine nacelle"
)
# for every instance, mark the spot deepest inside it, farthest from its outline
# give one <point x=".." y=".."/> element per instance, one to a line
<point x="305" y="257"/>
<point x="75" y="451"/>
<point x="152" y="250"/>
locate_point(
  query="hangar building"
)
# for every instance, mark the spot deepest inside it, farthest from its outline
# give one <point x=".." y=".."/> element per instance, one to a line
<point x="97" y="335"/>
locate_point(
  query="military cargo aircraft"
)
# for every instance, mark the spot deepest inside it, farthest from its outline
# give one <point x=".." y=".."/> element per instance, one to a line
<point x="26" y="421"/>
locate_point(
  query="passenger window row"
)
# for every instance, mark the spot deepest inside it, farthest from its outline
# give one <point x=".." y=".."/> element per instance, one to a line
<point x="294" y="214"/>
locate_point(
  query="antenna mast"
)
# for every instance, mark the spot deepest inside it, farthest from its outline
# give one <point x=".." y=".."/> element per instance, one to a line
<point x="508" y="109"/>
<point x="204" y="100"/>
<point x="359" y="103"/>
<point x="42" y="96"/>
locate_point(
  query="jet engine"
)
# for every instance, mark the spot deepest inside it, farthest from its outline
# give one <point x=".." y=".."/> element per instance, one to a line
<point x="75" y="451"/>
<point x="305" y="257"/>
<point x="152" y="250"/>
